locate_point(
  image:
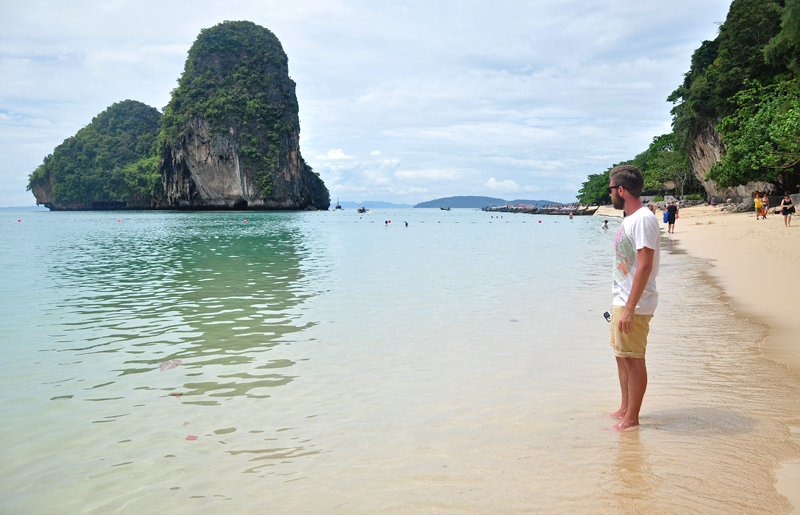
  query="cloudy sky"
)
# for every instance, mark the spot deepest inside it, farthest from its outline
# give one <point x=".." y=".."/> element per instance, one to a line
<point x="401" y="101"/>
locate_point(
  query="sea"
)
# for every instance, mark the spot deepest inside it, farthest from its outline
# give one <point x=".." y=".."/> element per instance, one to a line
<point x="396" y="361"/>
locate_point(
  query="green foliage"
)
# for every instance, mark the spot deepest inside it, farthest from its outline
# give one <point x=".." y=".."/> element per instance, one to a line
<point x="784" y="49"/>
<point x="721" y="67"/>
<point x="666" y="161"/>
<point x="111" y="159"/>
<point x="236" y="79"/>
<point x="743" y="78"/>
<point x="658" y="199"/>
<point x="663" y="161"/>
<point x="594" y="190"/>
<point x="763" y="135"/>
<point x="693" y="196"/>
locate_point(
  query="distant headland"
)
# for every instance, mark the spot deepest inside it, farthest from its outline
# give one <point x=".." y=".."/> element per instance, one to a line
<point x="479" y="202"/>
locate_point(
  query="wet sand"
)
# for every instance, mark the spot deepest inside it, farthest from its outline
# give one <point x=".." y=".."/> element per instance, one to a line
<point x="754" y="262"/>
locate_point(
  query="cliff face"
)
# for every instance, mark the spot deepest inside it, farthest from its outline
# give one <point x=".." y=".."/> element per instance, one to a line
<point x="705" y="151"/>
<point x="204" y="172"/>
<point x="231" y="133"/>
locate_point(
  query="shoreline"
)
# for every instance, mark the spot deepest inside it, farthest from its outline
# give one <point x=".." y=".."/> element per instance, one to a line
<point x="753" y="262"/>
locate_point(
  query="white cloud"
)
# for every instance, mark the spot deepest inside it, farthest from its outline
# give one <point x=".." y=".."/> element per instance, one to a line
<point x="504" y="186"/>
<point x="543" y="92"/>
<point x="334" y="153"/>
<point x="434" y="174"/>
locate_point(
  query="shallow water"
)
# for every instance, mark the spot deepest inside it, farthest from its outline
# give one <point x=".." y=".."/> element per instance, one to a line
<point x="331" y="363"/>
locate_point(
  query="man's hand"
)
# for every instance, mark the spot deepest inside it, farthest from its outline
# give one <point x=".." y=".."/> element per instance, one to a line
<point x="626" y="321"/>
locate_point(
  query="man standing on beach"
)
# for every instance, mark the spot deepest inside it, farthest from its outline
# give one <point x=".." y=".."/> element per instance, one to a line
<point x="636" y="263"/>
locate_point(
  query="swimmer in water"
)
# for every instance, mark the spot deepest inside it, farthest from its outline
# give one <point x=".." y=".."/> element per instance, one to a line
<point x="406" y="223"/>
<point x="605" y="224"/>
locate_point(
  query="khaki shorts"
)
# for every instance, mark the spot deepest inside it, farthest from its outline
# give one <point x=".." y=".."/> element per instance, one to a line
<point x="633" y="344"/>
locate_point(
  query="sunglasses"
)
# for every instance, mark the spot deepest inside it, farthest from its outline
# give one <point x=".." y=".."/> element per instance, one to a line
<point x="609" y="188"/>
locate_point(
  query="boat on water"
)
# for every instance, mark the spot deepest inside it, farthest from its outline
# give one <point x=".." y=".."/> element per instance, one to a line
<point x="337" y="205"/>
<point x="579" y="210"/>
<point x="444" y="208"/>
<point x="362" y="210"/>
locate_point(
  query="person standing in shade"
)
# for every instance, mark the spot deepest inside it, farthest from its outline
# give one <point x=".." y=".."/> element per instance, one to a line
<point x="636" y="264"/>
<point x="672" y="214"/>
<point x="787" y="208"/>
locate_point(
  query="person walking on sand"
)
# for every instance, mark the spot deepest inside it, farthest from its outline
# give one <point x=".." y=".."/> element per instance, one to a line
<point x="764" y="205"/>
<point x="757" y="202"/>
<point x="636" y="264"/>
<point x="672" y="213"/>
<point x="787" y="208"/>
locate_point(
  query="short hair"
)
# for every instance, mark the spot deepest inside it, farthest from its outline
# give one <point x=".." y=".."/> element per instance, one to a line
<point x="629" y="177"/>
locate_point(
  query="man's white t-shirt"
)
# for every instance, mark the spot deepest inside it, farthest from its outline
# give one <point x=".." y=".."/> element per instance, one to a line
<point x="638" y="230"/>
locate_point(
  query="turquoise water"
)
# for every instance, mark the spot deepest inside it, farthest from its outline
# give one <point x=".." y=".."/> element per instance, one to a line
<point x="333" y="363"/>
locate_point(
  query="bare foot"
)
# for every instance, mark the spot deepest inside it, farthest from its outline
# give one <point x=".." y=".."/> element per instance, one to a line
<point x="618" y="414"/>
<point x="623" y="426"/>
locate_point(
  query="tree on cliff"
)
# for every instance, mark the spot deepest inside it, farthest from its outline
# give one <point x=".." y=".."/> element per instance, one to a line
<point x="744" y="83"/>
<point x="110" y="160"/>
<point x="762" y="137"/>
<point x="721" y="68"/>
<point x="236" y="80"/>
<point x="741" y="87"/>
<point x="762" y="134"/>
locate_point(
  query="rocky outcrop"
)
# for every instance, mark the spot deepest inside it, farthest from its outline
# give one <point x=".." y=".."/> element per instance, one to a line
<point x="232" y="132"/>
<point x="205" y="172"/>
<point x="43" y="191"/>
<point x="704" y="153"/>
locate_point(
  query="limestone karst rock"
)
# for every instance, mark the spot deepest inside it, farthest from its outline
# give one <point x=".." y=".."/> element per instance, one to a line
<point x="704" y="152"/>
<point x="109" y="164"/>
<point x="231" y="132"/>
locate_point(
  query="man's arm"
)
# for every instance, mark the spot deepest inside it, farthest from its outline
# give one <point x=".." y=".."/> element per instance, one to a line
<point x="645" y="257"/>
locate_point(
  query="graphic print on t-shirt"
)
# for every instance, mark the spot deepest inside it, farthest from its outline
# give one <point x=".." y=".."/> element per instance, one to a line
<point x="625" y="256"/>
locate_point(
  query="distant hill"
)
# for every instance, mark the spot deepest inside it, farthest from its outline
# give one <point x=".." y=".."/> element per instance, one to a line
<point x="376" y="204"/>
<point x="477" y="202"/>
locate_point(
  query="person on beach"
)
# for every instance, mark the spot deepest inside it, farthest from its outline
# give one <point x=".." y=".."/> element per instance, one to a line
<point x="764" y="205"/>
<point x="757" y="202"/>
<point x="787" y="208"/>
<point x="672" y="213"/>
<point x="605" y="224"/>
<point x="636" y="264"/>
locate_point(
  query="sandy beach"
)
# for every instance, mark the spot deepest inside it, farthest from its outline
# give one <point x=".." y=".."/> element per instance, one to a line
<point x="754" y="261"/>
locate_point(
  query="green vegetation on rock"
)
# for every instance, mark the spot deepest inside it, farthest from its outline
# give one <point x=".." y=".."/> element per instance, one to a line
<point x="722" y="67"/>
<point x="744" y="84"/>
<point x="763" y="135"/>
<point x="236" y="79"/>
<point x="110" y="160"/>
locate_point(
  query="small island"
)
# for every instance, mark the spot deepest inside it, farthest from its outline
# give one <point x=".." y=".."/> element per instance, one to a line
<point x="228" y="139"/>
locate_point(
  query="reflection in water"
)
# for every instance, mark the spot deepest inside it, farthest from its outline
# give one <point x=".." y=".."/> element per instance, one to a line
<point x="629" y="481"/>
<point x="221" y="296"/>
<point x="215" y="294"/>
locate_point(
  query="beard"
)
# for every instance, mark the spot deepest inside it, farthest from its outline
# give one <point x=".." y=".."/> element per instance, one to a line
<point x="618" y="203"/>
